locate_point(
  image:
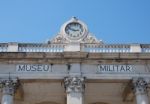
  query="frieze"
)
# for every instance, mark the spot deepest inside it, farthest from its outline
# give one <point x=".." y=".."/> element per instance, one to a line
<point x="85" y="68"/>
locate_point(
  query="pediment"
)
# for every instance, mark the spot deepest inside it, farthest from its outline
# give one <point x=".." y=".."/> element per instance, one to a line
<point x="74" y="31"/>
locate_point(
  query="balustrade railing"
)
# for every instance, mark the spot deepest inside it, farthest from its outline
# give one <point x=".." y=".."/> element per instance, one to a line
<point x="92" y="48"/>
<point x="41" y="47"/>
<point x="106" y="48"/>
<point x="145" y="48"/>
<point x="3" y="47"/>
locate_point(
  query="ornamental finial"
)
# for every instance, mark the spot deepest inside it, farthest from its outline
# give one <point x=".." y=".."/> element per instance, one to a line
<point x="74" y="18"/>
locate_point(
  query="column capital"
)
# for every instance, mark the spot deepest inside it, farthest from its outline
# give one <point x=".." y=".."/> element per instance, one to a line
<point x="74" y="84"/>
<point x="140" y="85"/>
<point x="9" y="86"/>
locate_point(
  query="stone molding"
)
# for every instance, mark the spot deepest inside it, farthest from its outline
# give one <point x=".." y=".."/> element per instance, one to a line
<point x="74" y="84"/>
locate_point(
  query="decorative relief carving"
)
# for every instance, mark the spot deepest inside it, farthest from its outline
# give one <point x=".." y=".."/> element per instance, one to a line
<point x="58" y="39"/>
<point x="88" y="39"/>
<point x="74" y="84"/>
<point x="140" y="85"/>
<point x="91" y="39"/>
<point x="77" y="32"/>
<point x="9" y="86"/>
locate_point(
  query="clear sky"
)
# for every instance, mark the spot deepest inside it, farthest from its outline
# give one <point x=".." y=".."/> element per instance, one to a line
<point x="113" y="21"/>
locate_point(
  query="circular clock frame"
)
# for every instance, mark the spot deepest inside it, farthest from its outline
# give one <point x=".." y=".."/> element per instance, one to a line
<point x="74" y="30"/>
<point x="77" y="36"/>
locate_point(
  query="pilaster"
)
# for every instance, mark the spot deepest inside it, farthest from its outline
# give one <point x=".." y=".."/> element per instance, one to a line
<point x="74" y="87"/>
<point x="140" y="86"/>
<point x="9" y="87"/>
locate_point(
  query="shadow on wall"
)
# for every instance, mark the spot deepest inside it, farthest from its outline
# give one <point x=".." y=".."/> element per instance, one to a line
<point x="99" y="103"/>
<point x="47" y="103"/>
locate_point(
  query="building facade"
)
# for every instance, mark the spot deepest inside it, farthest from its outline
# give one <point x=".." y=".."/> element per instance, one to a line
<point x="74" y="68"/>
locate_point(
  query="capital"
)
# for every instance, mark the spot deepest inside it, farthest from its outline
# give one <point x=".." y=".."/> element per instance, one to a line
<point x="9" y="86"/>
<point x="140" y="85"/>
<point x="74" y="84"/>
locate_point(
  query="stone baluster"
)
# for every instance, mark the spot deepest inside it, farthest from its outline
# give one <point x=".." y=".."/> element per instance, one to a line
<point x="74" y="87"/>
<point x="140" y="89"/>
<point x="8" y="89"/>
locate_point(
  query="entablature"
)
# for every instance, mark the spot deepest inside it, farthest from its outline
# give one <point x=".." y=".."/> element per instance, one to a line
<point x="74" y="57"/>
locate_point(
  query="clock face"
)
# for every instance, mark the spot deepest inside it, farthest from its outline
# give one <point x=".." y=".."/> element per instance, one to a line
<point x="74" y="30"/>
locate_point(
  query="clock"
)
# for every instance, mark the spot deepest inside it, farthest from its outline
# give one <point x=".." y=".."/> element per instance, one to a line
<point x="74" y="30"/>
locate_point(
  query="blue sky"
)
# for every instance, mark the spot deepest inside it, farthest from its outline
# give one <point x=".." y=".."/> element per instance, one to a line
<point x="113" y="21"/>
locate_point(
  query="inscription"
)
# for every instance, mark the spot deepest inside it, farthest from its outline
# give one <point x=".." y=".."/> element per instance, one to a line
<point x="33" y="68"/>
<point x="115" y="68"/>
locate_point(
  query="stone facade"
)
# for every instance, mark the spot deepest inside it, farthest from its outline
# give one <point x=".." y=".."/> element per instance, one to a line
<point x="74" y="68"/>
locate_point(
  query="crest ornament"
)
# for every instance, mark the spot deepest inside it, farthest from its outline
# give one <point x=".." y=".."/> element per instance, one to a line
<point x="74" y="31"/>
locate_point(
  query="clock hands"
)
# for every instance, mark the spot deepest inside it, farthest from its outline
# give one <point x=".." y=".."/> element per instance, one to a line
<point x="73" y="29"/>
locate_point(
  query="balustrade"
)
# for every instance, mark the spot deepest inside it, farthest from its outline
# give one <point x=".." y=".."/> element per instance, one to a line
<point x="41" y="48"/>
<point x="145" y="48"/>
<point x="3" y="47"/>
<point x="92" y="48"/>
<point x="98" y="48"/>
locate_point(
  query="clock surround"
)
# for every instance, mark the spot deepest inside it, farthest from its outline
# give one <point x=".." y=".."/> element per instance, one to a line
<point x="74" y="30"/>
